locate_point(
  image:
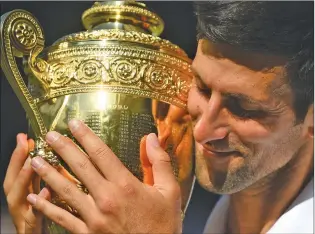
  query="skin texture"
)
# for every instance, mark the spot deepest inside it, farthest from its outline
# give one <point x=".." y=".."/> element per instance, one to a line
<point x="248" y="144"/>
<point x="22" y="180"/>
<point x="115" y="194"/>
<point x="19" y="182"/>
<point x="262" y="140"/>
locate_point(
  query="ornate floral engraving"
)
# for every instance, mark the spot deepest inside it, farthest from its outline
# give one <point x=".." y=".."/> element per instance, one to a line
<point x="24" y="33"/>
<point x="61" y="73"/>
<point x="158" y="78"/>
<point x="126" y="71"/>
<point x="119" y="35"/>
<point x="10" y="28"/>
<point x="89" y="71"/>
<point x="182" y="88"/>
<point x="131" y="74"/>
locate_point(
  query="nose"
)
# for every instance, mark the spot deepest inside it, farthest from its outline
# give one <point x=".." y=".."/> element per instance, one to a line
<point x="212" y="123"/>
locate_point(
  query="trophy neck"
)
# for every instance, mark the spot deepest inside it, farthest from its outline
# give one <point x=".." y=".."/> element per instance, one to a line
<point x="120" y="25"/>
<point x="125" y="15"/>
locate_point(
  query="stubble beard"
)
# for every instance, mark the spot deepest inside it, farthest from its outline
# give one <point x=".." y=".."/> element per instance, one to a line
<point x="237" y="176"/>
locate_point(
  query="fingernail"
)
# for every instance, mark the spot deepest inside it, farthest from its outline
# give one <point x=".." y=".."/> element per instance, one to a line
<point x="74" y="124"/>
<point x="37" y="162"/>
<point x="51" y="137"/>
<point x="19" y="138"/>
<point x="153" y="140"/>
<point x="31" y="198"/>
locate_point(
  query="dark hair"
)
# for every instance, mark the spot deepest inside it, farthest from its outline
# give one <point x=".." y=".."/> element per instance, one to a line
<point x="278" y="28"/>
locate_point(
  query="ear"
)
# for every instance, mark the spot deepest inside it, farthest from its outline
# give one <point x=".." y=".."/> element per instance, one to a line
<point x="308" y="128"/>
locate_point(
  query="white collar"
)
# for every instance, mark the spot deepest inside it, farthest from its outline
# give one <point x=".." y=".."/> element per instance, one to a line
<point x="299" y="218"/>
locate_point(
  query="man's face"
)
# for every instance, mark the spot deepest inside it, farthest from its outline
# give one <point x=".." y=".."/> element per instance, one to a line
<point x="244" y="123"/>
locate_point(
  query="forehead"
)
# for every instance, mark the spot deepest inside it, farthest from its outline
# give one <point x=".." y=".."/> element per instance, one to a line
<point x="228" y="69"/>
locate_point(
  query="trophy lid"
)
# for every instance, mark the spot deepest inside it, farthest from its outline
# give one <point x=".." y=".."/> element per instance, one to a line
<point x="128" y="15"/>
<point x="127" y="21"/>
<point x="120" y="51"/>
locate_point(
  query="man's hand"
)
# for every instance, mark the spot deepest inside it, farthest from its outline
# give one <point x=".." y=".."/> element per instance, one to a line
<point x="20" y="180"/>
<point x="118" y="202"/>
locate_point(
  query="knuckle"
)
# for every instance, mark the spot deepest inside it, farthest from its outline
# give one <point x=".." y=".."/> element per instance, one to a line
<point x="31" y="224"/>
<point x="107" y="205"/>
<point x="161" y="158"/>
<point x="67" y="190"/>
<point x="164" y="157"/>
<point x="128" y="188"/>
<point x="101" y="152"/>
<point x="62" y="142"/>
<point x="43" y="171"/>
<point x="59" y="219"/>
<point x="83" y="164"/>
<point x="97" y="224"/>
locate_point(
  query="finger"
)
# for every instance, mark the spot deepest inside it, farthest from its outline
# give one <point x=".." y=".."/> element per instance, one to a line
<point x="34" y="218"/>
<point x="70" y="177"/>
<point x="45" y="193"/>
<point x="57" y="214"/>
<point x="31" y="144"/>
<point x="164" y="179"/>
<point x="63" y="187"/>
<point x="184" y="155"/>
<point x="34" y="187"/>
<point x="145" y="163"/>
<point x="104" y="158"/>
<point x="19" y="190"/>
<point x="17" y="161"/>
<point x="78" y="162"/>
<point x="67" y="175"/>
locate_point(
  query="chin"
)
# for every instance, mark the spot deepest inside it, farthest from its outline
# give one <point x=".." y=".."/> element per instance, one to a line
<point x="230" y="179"/>
<point x="207" y="184"/>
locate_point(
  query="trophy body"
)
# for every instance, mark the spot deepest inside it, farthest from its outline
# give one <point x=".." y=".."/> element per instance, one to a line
<point x="118" y="77"/>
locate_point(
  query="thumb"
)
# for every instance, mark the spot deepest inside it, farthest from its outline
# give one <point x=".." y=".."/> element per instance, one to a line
<point x="164" y="179"/>
<point x="145" y="163"/>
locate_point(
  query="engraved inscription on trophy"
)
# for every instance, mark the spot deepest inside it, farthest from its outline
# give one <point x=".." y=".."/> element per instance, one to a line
<point x="107" y="77"/>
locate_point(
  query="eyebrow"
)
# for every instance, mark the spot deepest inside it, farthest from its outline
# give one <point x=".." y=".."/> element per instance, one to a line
<point x="197" y="76"/>
<point x="244" y="98"/>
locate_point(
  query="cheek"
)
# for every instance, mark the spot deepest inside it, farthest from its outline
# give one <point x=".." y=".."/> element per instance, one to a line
<point x="267" y="131"/>
<point x="251" y="131"/>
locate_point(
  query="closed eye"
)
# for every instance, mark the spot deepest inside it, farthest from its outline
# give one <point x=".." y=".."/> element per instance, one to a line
<point x="201" y="87"/>
<point x="237" y="110"/>
<point x="206" y="92"/>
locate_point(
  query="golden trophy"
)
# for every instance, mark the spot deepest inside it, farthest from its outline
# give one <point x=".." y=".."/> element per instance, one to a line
<point x="118" y="77"/>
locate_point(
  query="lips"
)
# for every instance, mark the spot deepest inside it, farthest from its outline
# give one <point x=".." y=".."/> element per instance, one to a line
<point x="222" y="153"/>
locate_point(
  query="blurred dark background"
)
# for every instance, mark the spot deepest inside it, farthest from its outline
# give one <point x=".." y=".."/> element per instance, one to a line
<point x="62" y="18"/>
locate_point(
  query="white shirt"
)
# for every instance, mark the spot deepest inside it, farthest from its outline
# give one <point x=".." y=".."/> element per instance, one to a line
<point x="299" y="218"/>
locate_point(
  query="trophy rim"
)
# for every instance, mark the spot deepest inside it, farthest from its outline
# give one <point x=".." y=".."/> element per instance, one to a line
<point x="121" y="36"/>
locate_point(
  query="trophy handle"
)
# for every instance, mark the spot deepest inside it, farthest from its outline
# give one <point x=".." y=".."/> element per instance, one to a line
<point x="21" y="35"/>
